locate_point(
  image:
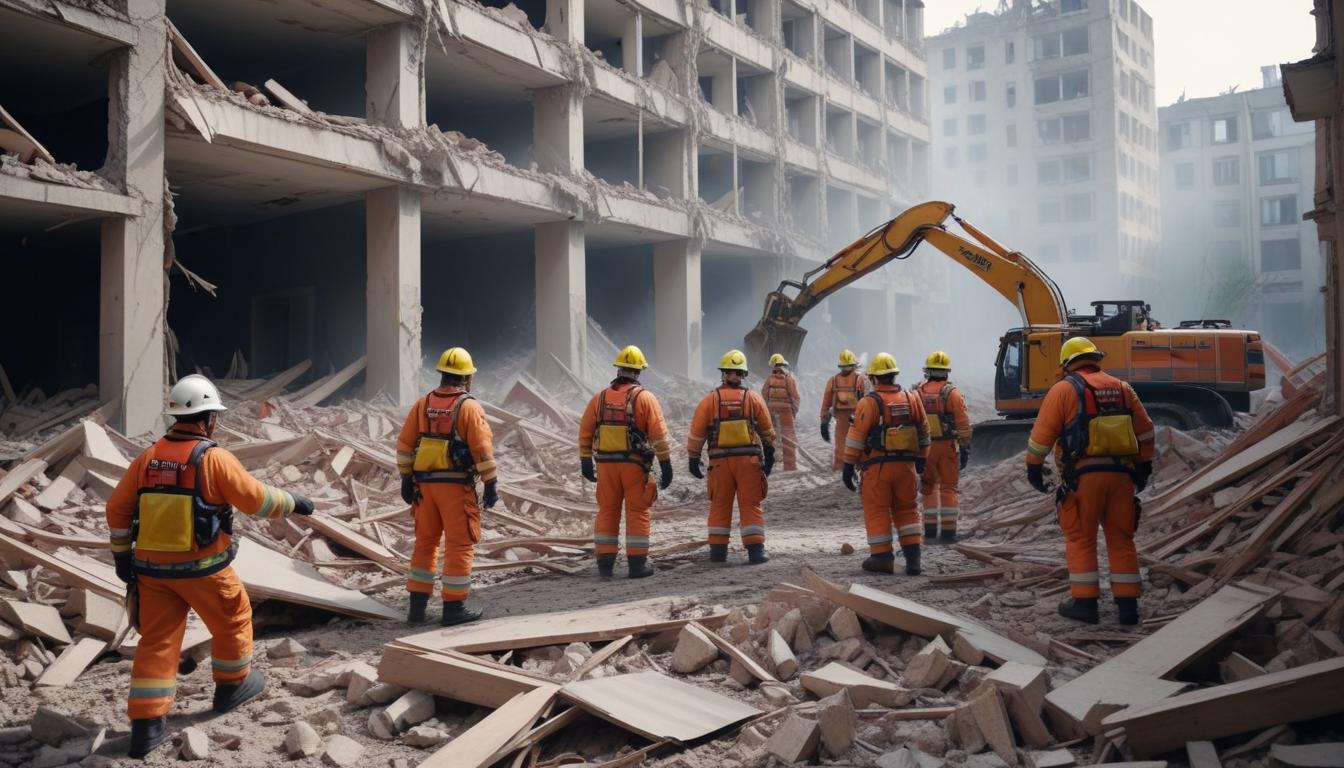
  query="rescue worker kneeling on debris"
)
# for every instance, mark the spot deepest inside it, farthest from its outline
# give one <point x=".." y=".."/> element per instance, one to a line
<point x="1105" y="455"/>
<point x="950" y="429"/>
<point x="736" y="423"/>
<point x="780" y="391"/>
<point x="843" y="391"/>
<point x="889" y="443"/>
<point x="444" y="447"/>
<point x="171" y="523"/>
<point x="623" y="430"/>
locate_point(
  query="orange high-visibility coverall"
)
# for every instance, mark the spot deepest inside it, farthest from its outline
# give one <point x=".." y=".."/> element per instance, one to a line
<point x="842" y="395"/>
<point x="889" y="488"/>
<point x="780" y="391"/>
<point x="942" y="498"/>
<point x="730" y="476"/>
<point x="1102" y="498"/>
<point x="624" y="477"/>
<point x="218" y="598"/>
<point x="446" y="513"/>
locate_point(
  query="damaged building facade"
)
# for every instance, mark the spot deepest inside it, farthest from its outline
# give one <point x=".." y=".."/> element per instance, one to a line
<point x="345" y="181"/>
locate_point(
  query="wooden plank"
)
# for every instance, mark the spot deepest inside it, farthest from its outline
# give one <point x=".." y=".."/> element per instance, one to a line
<point x="75" y="570"/>
<point x="99" y="447"/>
<point x="71" y="663"/>
<point x="323" y="388"/>
<point x="1301" y="693"/>
<point x="455" y="676"/>
<point x="21" y="142"/>
<point x="349" y="538"/>
<point x="277" y="383"/>
<point x="475" y="747"/>
<point x="19" y="477"/>
<point x="286" y="99"/>
<point x="193" y="59"/>
<point x="269" y="574"/>
<point x="600" y="657"/>
<point x="542" y="731"/>
<point x="683" y="712"/>
<point x="733" y="652"/>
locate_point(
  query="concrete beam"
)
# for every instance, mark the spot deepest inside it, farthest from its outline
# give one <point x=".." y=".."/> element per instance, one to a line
<point x="676" y="307"/>
<point x="74" y="201"/>
<point x="133" y="295"/>
<point x="393" y="294"/>
<point x="562" y="296"/>
<point x="77" y="18"/>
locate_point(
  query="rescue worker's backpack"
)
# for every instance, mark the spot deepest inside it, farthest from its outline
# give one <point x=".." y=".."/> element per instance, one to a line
<point x="732" y="431"/>
<point x="1104" y="426"/>
<point x="845" y="397"/>
<point x="618" y="439"/>
<point x="170" y="517"/>
<point x="942" y="423"/>
<point x="895" y="436"/>
<point x="777" y="390"/>
<point x="441" y="455"/>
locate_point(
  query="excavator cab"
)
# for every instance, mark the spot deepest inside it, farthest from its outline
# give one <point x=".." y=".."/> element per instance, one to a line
<point x="1115" y="318"/>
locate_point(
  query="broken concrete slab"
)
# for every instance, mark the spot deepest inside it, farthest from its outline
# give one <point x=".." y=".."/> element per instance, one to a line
<point x="1026" y="717"/>
<point x="52" y="728"/>
<point x="795" y="741"/>
<point x="927" y="667"/>
<point x="991" y="718"/>
<point x="694" y="651"/>
<point x="1307" y="755"/>
<point x="41" y="620"/>
<point x="782" y="660"/>
<point x="844" y="624"/>
<point x="864" y="691"/>
<point x="1024" y="678"/>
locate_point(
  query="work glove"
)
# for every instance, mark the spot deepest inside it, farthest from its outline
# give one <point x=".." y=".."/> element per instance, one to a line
<point x="920" y="466"/>
<point x="125" y="570"/>
<point x="408" y="488"/>
<point x="303" y="505"/>
<point x="664" y="474"/>
<point x="491" y="495"/>
<point x="1142" y="471"/>
<point x="769" y="454"/>
<point x="849" y="477"/>
<point x="695" y="468"/>
<point x="826" y="429"/>
<point x="965" y="457"/>
<point x="1036" y="476"/>
<point x="587" y="468"/>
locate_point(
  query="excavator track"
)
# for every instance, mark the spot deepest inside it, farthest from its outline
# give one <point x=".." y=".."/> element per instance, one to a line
<point x="994" y="441"/>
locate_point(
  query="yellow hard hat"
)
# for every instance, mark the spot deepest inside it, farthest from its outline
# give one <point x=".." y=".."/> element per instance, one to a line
<point x="882" y="364"/>
<point x="734" y="360"/>
<point x="631" y="357"/>
<point x="847" y="358"/>
<point x="938" y="361"/>
<point x="778" y="359"/>
<point x="1077" y="347"/>
<point x="456" y="361"/>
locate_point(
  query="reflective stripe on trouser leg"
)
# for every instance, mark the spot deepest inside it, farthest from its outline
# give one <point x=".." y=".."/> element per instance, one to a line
<point x="461" y="522"/>
<point x="163" y="622"/>
<point x="428" y="539"/>
<point x="640" y="493"/>
<point x="949" y="516"/>
<point x="721" y="487"/>
<point x="221" y="601"/>
<point x="1078" y="518"/>
<point x="839" y="431"/>
<point x="1117" y="524"/>
<point x="905" y="504"/>
<point x="946" y="458"/>
<point x="783" y="419"/>
<point x="751" y="490"/>
<point x="607" y="523"/>
<point x="928" y="488"/>
<point x="877" y="498"/>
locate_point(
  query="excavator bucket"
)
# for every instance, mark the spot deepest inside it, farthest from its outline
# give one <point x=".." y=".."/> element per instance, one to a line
<point x="773" y="335"/>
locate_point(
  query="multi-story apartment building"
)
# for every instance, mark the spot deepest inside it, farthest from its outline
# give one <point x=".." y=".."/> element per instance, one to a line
<point x="1237" y="175"/>
<point x="1045" y="134"/>
<point x="356" y="177"/>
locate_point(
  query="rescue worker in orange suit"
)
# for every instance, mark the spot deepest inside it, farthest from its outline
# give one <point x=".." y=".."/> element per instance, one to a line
<point x="888" y="444"/>
<point x="621" y="433"/>
<point x="444" y="447"/>
<point x="950" y="429"/>
<point x="735" y="423"/>
<point x="171" y="523"/>
<point x="780" y="391"/>
<point x="1105" y="455"/>
<point x="843" y="391"/>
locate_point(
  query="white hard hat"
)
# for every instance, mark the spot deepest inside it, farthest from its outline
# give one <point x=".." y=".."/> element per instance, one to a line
<point x="192" y="395"/>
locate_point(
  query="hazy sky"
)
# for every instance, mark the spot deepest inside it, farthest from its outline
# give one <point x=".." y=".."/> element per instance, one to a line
<point x="1202" y="46"/>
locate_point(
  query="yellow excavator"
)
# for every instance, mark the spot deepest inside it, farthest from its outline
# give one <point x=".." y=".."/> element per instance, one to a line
<point x="1195" y="375"/>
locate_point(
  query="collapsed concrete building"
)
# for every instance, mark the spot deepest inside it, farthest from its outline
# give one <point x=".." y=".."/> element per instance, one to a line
<point x="269" y="182"/>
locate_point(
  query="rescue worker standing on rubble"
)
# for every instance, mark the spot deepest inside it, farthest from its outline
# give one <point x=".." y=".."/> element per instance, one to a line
<point x="171" y="524"/>
<point x="1105" y="455"/>
<point x="888" y="443"/>
<point x="736" y="424"/>
<point x="843" y="391"/>
<point x="444" y="447"/>
<point x="623" y="430"/>
<point x="780" y="391"/>
<point x="950" y="429"/>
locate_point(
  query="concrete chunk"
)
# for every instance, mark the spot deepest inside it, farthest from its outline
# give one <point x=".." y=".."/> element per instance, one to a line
<point x="927" y="667"/>
<point x="1027" y="719"/>
<point x="1307" y="755"/>
<point x="328" y="675"/>
<point x="845" y="650"/>
<point x="195" y="744"/>
<point x="342" y="751"/>
<point x="425" y="737"/>
<point x="863" y="690"/>
<point x="1024" y="678"/>
<point x="51" y="727"/>
<point x="1055" y="758"/>
<point x="413" y="708"/>
<point x="358" y="686"/>
<point x="302" y="740"/>
<point x="992" y="719"/>
<point x="782" y="660"/>
<point x="835" y="715"/>
<point x="787" y="626"/>
<point x="795" y="741"/>
<point x="962" y="731"/>
<point x="694" y="651"/>
<point x="844" y="624"/>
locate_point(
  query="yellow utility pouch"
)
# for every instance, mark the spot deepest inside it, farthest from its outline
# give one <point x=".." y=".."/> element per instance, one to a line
<point x="613" y="438"/>
<point x="734" y="434"/>
<point x="1112" y="436"/>
<point x="845" y="399"/>
<point x="935" y="425"/>
<point x="904" y="438"/>
<point x="165" y="522"/>
<point x="431" y="455"/>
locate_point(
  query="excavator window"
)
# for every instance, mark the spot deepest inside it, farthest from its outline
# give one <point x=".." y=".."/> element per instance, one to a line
<point x="1008" y="368"/>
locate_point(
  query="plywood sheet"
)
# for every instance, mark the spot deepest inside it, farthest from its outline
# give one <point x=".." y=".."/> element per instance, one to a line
<point x="680" y="711"/>
<point x="269" y="574"/>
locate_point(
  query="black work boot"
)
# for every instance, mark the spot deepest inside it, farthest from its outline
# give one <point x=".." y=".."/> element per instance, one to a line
<point x="1127" y="609"/>
<point x="718" y="553"/>
<point x="147" y="734"/>
<point x="1080" y="609"/>
<point x="415" y="611"/>
<point x="456" y="612"/>
<point x="230" y="696"/>
<point x="947" y="536"/>
<point x="606" y="566"/>
<point x="930" y="531"/>
<point x="639" y="566"/>
<point x="883" y="563"/>
<point x="756" y="554"/>
<point x="911" y="552"/>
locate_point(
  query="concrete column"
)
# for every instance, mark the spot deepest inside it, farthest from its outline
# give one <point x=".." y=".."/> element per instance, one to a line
<point x="564" y="19"/>
<point x="133" y="290"/>
<point x="393" y="294"/>
<point x="760" y="182"/>
<point x="723" y="92"/>
<point x="557" y="129"/>
<point x="632" y="45"/>
<point x="394" y="91"/>
<point x="763" y="96"/>
<point x="766" y="15"/>
<point x="669" y="162"/>
<point x="808" y="31"/>
<point x="676" y="307"/>
<point x="562" y="296"/>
